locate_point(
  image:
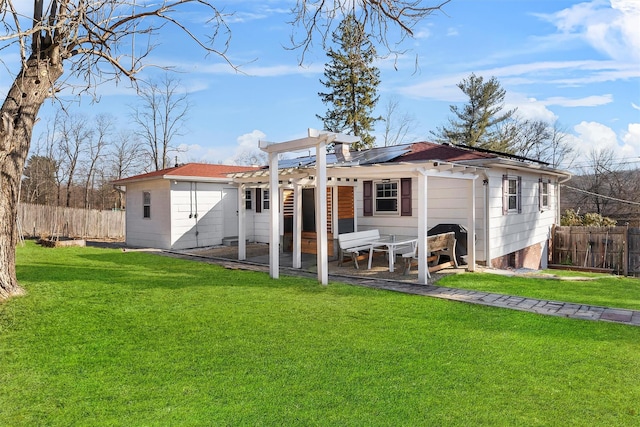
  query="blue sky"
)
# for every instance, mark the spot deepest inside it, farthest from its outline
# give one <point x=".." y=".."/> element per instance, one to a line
<point x="577" y="62"/>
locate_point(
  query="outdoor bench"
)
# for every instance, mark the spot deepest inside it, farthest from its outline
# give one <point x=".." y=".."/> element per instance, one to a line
<point x="352" y="244"/>
<point x="437" y="245"/>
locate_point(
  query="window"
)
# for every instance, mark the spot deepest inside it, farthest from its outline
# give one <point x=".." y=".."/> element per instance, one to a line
<point x="247" y="199"/>
<point x="511" y="194"/>
<point x="386" y="197"/>
<point x="146" y="204"/>
<point x="265" y="199"/>
<point x="544" y="200"/>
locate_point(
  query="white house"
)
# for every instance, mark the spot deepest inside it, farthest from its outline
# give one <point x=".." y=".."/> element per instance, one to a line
<point x="190" y="205"/>
<point x="507" y="204"/>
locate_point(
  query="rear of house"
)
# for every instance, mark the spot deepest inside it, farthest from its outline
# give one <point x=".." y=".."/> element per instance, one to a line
<point x="516" y="200"/>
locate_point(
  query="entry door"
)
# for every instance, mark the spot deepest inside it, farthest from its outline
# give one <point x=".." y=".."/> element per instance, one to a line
<point x="230" y="212"/>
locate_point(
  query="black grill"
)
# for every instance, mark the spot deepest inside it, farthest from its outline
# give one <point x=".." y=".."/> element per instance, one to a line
<point x="461" y="237"/>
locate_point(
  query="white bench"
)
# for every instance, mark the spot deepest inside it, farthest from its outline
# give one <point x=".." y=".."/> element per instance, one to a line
<point x="352" y="244"/>
<point x="440" y="244"/>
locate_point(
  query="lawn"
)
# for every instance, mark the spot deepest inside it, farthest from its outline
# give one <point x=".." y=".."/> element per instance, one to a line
<point x="601" y="290"/>
<point x="111" y="338"/>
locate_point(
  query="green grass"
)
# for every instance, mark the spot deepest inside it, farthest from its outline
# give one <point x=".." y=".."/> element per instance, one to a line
<point x="111" y="338"/>
<point x="603" y="290"/>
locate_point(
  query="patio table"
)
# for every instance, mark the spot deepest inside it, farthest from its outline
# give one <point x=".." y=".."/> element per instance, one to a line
<point x="392" y="243"/>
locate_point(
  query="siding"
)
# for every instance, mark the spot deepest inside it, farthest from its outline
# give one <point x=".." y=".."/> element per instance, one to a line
<point x="197" y="214"/>
<point x="515" y="231"/>
<point x="148" y="232"/>
<point x="447" y="204"/>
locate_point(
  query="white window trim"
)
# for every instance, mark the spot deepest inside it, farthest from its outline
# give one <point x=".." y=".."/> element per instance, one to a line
<point x="376" y="212"/>
<point x="145" y="204"/>
<point x="545" y="182"/>
<point x="546" y="193"/>
<point x="507" y="195"/>
<point x="248" y="199"/>
<point x="512" y="195"/>
<point x="266" y="200"/>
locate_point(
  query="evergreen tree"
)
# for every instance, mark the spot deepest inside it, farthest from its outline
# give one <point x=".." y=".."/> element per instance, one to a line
<point x="477" y="123"/>
<point x="352" y="83"/>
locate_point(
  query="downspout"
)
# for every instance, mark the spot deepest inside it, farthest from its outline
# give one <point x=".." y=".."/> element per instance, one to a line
<point x="195" y="198"/>
<point x="190" y="199"/>
<point x="487" y="222"/>
<point x="558" y="213"/>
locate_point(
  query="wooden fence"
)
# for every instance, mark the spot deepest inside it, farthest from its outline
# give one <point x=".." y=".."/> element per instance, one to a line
<point x="615" y="249"/>
<point x="56" y="221"/>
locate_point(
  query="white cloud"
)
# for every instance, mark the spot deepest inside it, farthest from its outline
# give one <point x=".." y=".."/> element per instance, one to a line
<point x="260" y="71"/>
<point x="246" y="143"/>
<point x="609" y="27"/>
<point x="542" y="72"/>
<point x="594" y="136"/>
<point x="442" y="89"/>
<point x="529" y="108"/>
<point x="422" y="34"/>
<point x="631" y="137"/>
<point x="588" y="101"/>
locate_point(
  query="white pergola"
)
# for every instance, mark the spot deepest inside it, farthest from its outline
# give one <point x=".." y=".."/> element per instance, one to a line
<point x="319" y="140"/>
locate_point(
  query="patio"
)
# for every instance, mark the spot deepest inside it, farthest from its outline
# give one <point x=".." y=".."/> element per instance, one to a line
<point x="258" y="253"/>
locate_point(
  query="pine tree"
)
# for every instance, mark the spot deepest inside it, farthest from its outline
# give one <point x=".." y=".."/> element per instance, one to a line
<point x="477" y="123"/>
<point x="352" y="83"/>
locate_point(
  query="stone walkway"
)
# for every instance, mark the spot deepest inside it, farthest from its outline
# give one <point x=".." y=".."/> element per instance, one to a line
<point x="533" y="305"/>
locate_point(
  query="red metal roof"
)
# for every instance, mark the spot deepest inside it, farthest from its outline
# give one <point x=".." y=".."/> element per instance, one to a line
<point x="421" y="151"/>
<point x="196" y="170"/>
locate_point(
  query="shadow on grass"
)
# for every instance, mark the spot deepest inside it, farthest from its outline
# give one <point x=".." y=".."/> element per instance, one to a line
<point x="140" y="270"/>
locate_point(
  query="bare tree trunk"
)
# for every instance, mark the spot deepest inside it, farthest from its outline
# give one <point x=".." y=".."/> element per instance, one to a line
<point x="18" y="114"/>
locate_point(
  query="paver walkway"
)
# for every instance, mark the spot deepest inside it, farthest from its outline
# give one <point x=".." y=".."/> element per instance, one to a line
<point x="534" y="305"/>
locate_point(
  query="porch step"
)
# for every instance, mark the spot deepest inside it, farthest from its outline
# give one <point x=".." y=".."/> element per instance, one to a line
<point x="231" y="241"/>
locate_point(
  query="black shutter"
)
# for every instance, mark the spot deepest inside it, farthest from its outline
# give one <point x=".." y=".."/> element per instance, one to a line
<point x="519" y="194"/>
<point x="505" y="194"/>
<point x="367" y="192"/>
<point x="540" y="206"/>
<point x="405" y="197"/>
<point x="258" y="200"/>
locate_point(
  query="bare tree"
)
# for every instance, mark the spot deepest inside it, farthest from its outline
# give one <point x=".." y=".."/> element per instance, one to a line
<point x="95" y="148"/>
<point x="94" y="40"/>
<point x="603" y="185"/>
<point x="397" y="124"/>
<point x="125" y="159"/>
<point x="75" y="134"/>
<point x="539" y="140"/>
<point x="161" y="116"/>
<point x="107" y="40"/>
<point x="319" y="18"/>
<point x="560" y="151"/>
<point x="597" y="179"/>
<point x="39" y="183"/>
<point x="251" y="158"/>
<point x="47" y="146"/>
